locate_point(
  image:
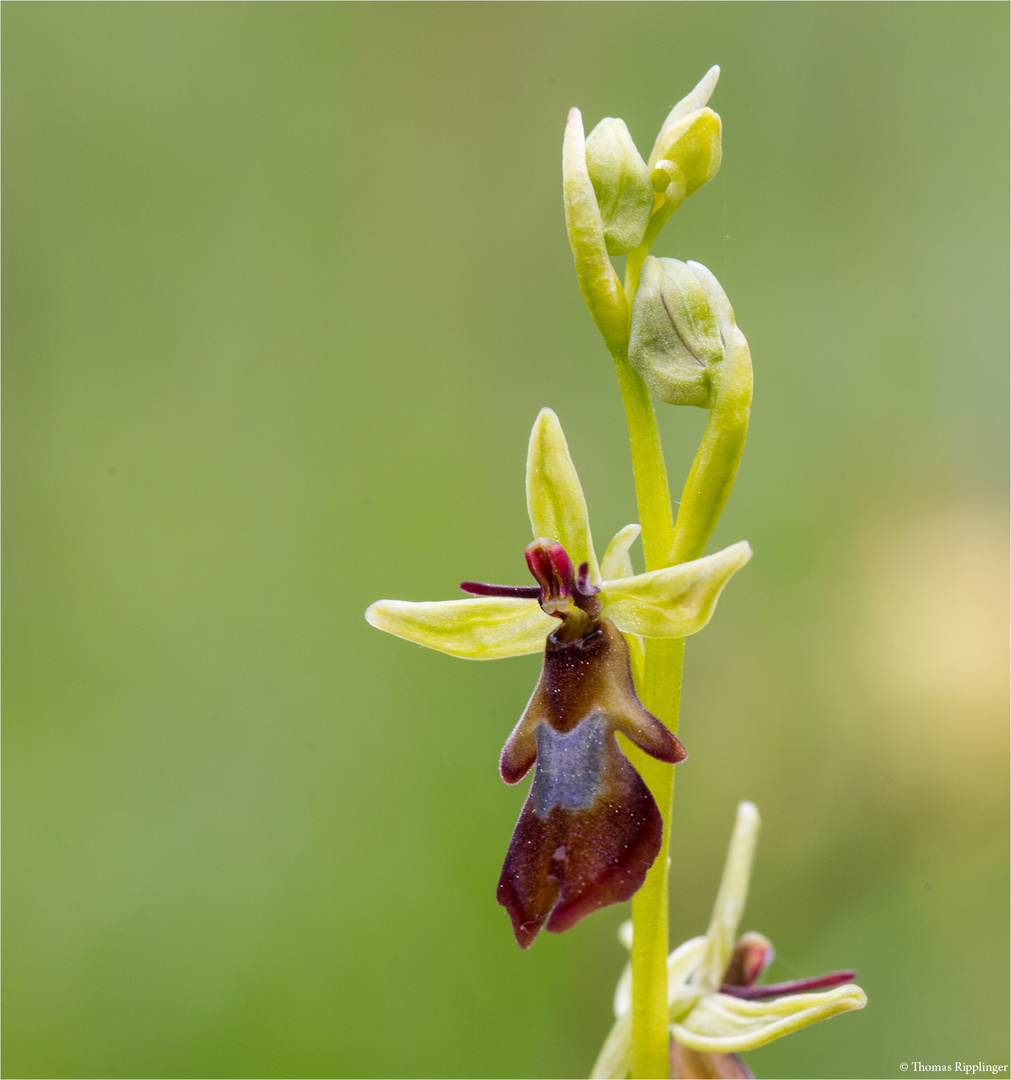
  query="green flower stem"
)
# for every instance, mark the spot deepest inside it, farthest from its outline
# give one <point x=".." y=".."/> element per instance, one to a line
<point x="660" y="690"/>
<point x="666" y="542"/>
<point x="633" y="264"/>
<point x="651" y="488"/>
<point x="661" y="694"/>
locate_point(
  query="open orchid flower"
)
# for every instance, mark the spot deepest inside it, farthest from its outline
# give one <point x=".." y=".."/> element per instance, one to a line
<point x="717" y="1010"/>
<point x="589" y="829"/>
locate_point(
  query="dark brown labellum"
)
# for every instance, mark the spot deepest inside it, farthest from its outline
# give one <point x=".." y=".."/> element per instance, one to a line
<point x="589" y="829"/>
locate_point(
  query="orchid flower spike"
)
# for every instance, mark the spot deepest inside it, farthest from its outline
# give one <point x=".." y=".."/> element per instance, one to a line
<point x="589" y="829"/>
<point x="717" y="1009"/>
<point x="616" y="203"/>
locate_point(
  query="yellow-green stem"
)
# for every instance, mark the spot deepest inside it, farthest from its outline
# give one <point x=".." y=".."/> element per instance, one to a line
<point x="660" y="691"/>
<point x="633" y="265"/>
<point x="650" y="1041"/>
<point x="651" y="489"/>
<point x="666" y="542"/>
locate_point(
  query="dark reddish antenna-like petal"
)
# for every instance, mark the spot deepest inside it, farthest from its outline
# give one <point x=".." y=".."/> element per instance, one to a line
<point x="795" y="986"/>
<point x="482" y="588"/>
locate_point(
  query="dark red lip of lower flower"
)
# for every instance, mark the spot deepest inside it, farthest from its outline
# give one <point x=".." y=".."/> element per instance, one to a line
<point x="796" y="986"/>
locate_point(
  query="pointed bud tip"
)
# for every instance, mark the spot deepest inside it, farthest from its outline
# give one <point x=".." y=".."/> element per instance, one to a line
<point x="546" y="416"/>
<point x="740" y="553"/>
<point x="747" y="813"/>
<point x="547" y="429"/>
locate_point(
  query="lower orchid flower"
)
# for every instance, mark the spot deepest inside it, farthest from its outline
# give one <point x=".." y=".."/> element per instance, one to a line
<point x="717" y="1010"/>
<point x="589" y="829"/>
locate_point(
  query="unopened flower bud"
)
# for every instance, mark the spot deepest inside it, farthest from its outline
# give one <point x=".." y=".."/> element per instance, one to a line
<point x="689" y="154"/>
<point x="621" y="182"/>
<point x="688" y="150"/>
<point x="675" y="340"/>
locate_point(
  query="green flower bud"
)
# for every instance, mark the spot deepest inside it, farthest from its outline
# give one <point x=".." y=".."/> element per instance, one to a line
<point x="675" y="340"/>
<point x="688" y="150"/>
<point x="621" y="182"/>
<point x="687" y="155"/>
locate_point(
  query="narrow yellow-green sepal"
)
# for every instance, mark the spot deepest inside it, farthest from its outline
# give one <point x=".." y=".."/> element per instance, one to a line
<point x="485" y="628"/>
<point x="733" y="895"/>
<point x="724" y="1024"/>
<point x="616" y="563"/>
<point x="598" y="282"/>
<point x="554" y="495"/>
<point x="676" y="601"/>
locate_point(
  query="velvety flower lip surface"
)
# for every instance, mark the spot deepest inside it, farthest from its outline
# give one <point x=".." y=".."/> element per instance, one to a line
<point x="589" y="829"/>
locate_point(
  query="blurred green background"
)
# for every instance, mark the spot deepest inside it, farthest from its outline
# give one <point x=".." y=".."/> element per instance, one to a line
<point x="285" y="286"/>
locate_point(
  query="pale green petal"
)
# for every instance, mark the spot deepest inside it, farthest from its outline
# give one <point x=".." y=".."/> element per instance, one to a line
<point x="681" y="965"/>
<point x="485" y="628"/>
<point x="554" y="495"/>
<point x="724" y="1024"/>
<point x="695" y="99"/>
<point x="616" y="563"/>
<point x="733" y="895"/>
<point x="675" y="601"/>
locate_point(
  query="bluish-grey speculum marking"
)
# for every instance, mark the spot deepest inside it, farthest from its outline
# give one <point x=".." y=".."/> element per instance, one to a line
<point x="568" y="766"/>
